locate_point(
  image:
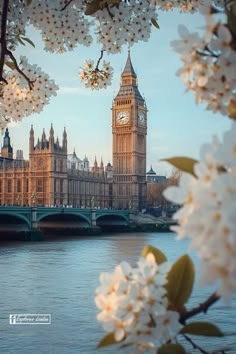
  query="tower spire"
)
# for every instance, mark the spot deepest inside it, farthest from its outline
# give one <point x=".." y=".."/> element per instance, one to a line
<point x="129" y="70"/>
<point x="31" y="139"/>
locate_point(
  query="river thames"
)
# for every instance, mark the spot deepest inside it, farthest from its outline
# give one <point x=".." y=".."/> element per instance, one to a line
<point x="59" y="276"/>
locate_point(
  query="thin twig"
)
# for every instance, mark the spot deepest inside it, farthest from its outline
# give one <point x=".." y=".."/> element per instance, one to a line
<point x="67" y="4"/>
<point x="100" y="58"/>
<point x="109" y="11"/>
<point x="203" y="307"/>
<point x="194" y="345"/>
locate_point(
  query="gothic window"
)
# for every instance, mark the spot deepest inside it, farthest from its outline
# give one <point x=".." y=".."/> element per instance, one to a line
<point x="55" y="165"/>
<point x="9" y="186"/>
<point x="61" y="166"/>
<point x="61" y="186"/>
<point x="39" y="186"/>
<point x="18" y="186"/>
<point x="27" y="185"/>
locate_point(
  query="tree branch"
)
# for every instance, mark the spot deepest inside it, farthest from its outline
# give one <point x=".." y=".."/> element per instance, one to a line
<point x="5" y="51"/>
<point x="3" y="38"/>
<point x="30" y="82"/>
<point x="203" y="307"/>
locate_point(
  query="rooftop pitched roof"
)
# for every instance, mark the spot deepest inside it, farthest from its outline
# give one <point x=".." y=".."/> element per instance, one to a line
<point x="151" y="172"/>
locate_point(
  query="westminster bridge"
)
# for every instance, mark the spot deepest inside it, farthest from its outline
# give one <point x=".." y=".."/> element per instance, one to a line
<point x="32" y="220"/>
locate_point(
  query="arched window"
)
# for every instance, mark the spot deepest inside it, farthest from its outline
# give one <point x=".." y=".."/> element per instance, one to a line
<point x="18" y="186"/>
<point x="9" y="186"/>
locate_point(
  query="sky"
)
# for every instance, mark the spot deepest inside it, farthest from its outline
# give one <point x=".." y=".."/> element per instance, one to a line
<point x="177" y="126"/>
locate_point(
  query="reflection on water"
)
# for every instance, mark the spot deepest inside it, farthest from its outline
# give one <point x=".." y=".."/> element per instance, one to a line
<point x="58" y="277"/>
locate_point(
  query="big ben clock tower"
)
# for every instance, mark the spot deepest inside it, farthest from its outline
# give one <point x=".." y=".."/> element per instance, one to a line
<point x="129" y="130"/>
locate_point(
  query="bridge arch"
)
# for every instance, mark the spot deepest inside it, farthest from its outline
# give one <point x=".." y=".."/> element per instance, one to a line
<point x="63" y="219"/>
<point x="111" y="220"/>
<point x="9" y="218"/>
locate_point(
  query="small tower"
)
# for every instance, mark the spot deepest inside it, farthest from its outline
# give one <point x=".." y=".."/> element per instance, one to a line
<point x="31" y="139"/>
<point x="7" y="150"/>
<point x="43" y="140"/>
<point x="64" y="141"/>
<point x="101" y="167"/>
<point x="51" y="138"/>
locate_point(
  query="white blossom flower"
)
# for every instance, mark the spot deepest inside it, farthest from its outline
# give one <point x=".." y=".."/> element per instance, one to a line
<point x="209" y="69"/>
<point x="207" y="216"/>
<point x="96" y="78"/>
<point x="18" y="100"/>
<point x="132" y="300"/>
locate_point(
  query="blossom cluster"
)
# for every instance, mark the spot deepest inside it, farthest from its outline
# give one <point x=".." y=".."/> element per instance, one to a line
<point x="124" y="25"/>
<point x="17" y="100"/>
<point x="209" y="69"/>
<point x="207" y="216"/>
<point x="96" y="78"/>
<point x="134" y="306"/>
<point x="61" y="28"/>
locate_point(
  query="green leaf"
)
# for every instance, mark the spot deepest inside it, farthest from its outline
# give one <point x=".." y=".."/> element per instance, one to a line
<point x="155" y="23"/>
<point x="231" y="14"/>
<point x="28" y="2"/>
<point x="232" y="109"/>
<point x="159" y="256"/>
<point x="92" y="7"/>
<point x="108" y="339"/>
<point x="202" y="329"/>
<point x="171" y="349"/>
<point x="28" y="40"/>
<point x="180" y="281"/>
<point x="10" y="65"/>
<point x="20" y="41"/>
<point x="184" y="164"/>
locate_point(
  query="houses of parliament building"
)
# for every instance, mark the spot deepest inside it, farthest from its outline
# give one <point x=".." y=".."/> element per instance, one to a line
<point x="52" y="177"/>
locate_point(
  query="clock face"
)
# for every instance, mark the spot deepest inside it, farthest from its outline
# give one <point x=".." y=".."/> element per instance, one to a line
<point x="141" y="117"/>
<point x="122" y="117"/>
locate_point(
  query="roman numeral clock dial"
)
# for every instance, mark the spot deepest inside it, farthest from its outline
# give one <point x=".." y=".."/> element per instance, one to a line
<point x="141" y="117"/>
<point x="122" y="117"/>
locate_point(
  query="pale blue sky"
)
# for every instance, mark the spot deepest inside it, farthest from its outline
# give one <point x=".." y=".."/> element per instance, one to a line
<point x="176" y="125"/>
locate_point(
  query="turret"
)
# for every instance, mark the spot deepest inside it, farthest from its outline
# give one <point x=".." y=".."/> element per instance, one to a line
<point x="7" y="150"/>
<point x="64" y="141"/>
<point x="51" y="138"/>
<point x="95" y="165"/>
<point x="101" y="167"/>
<point x="31" y="139"/>
<point x="43" y="136"/>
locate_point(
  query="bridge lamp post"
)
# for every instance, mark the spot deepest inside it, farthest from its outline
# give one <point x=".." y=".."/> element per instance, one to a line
<point x="92" y="202"/>
<point x="130" y="204"/>
<point x="34" y="198"/>
<point x="18" y="200"/>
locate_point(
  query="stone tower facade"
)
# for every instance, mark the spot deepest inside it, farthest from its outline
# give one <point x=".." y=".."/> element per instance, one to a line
<point x="48" y="168"/>
<point x="129" y="130"/>
<point x="7" y="150"/>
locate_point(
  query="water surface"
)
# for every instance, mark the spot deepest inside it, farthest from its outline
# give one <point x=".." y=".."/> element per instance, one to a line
<point x="59" y="277"/>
